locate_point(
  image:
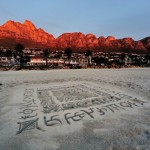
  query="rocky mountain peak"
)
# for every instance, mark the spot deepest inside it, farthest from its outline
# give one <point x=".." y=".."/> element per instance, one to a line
<point x="29" y="25"/>
<point x="26" y="33"/>
<point x="9" y="24"/>
<point x="110" y="38"/>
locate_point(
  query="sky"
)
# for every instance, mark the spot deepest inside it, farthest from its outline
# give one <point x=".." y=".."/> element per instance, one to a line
<point x="118" y="18"/>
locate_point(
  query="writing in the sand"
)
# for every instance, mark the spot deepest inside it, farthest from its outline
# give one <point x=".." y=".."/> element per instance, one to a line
<point x="29" y="119"/>
<point x="28" y="112"/>
<point x="71" y="117"/>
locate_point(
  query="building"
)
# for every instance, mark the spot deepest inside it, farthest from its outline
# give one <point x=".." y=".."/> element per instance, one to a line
<point x="7" y="61"/>
<point x="37" y="60"/>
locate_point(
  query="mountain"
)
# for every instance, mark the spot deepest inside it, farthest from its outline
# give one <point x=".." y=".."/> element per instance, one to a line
<point x="13" y="32"/>
<point x="26" y="33"/>
<point x="146" y="42"/>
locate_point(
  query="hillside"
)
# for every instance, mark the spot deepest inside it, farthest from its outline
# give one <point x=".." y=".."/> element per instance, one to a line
<point x="26" y="33"/>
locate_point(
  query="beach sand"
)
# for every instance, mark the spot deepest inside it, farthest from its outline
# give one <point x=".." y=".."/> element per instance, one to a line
<point x="88" y="109"/>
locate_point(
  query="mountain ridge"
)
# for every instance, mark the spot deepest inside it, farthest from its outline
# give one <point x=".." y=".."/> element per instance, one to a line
<point x="26" y="33"/>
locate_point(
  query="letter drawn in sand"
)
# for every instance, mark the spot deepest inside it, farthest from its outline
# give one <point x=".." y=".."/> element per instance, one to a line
<point x="89" y="112"/>
<point x="78" y="115"/>
<point x="28" y="111"/>
<point x="101" y="110"/>
<point x="52" y="121"/>
<point x="28" y="116"/>
<point x="113" y="107"/>
<point x="75" y="117"/>
<point x="28" y="125"/>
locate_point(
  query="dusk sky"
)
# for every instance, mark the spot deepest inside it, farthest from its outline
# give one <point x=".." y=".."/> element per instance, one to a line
<point x="118" y="18"/>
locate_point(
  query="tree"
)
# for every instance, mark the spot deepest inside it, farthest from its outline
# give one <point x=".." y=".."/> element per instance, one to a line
<point x="46" y="54"/>
<point x="8" y="53"/>
<point x="100" y="60"/>
<point x="19" y="52"/>
<point x="147" y="58"/>
<point x="68" y="52"/>
<point x="123" y="58"/>
<point x="88" y="54"/>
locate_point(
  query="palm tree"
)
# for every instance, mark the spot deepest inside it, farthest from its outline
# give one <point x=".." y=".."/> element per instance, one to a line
<point x="68" y="52"/>
<point x="19" y="52"/>
<point x="88" y="54"/>
<point x="46" y="54"/>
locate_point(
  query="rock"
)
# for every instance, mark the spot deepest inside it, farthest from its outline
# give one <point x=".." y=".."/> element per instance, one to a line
<point x="27" y="33"/>
<point x="146" y="42"/>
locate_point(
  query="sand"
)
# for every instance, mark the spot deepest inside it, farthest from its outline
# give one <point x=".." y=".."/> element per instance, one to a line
<point x="88" y="109"/>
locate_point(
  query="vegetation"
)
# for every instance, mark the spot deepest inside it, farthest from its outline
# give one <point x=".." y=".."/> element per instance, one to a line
<point x="68" y="52"/>
<point x="46" y="54"/>
<point x="19" y="52"/>
<point x="8" y="53"/>
<point x="100" y="60"/>
<point x="88" y="54"/>
<point x="11" y="57"/>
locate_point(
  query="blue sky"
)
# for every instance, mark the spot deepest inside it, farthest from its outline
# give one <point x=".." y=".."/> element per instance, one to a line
<point x="118" y="18"/>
